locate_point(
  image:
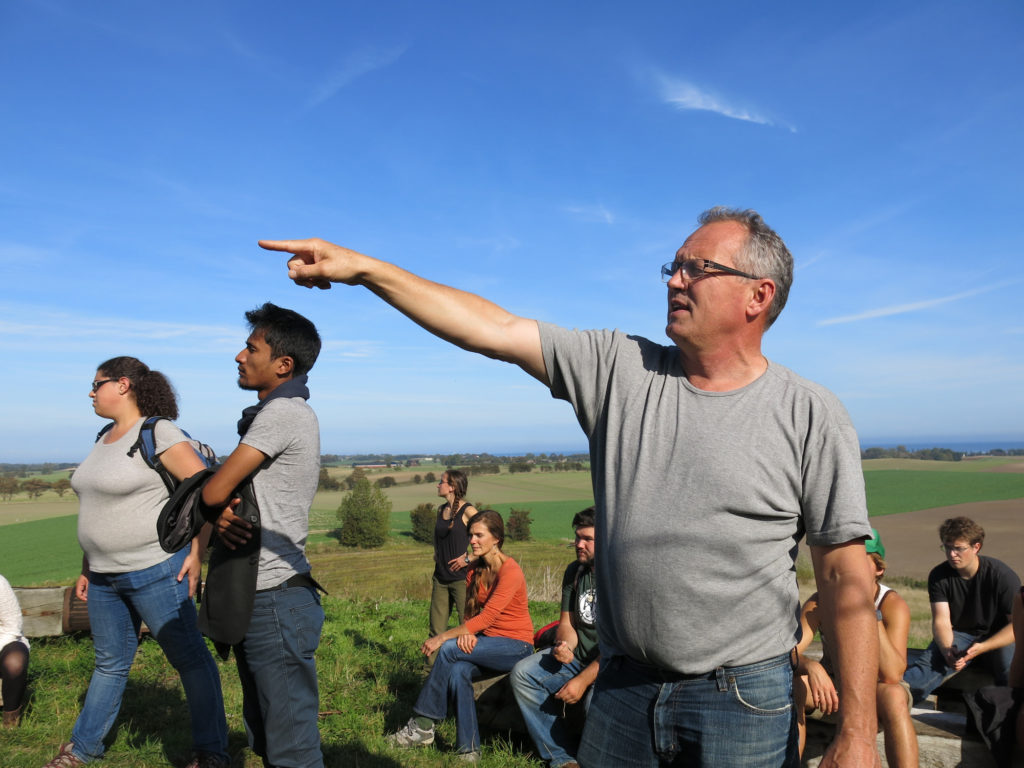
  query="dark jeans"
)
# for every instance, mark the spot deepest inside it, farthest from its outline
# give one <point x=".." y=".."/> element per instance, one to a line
<point x="451" y="679"/>
<point x="733" y="717"/>
<point x="277" y="668"/>
<point x="930" y="670"/>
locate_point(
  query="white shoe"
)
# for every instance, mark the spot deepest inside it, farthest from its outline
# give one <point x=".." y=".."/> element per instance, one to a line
<point x="411" y="735"/>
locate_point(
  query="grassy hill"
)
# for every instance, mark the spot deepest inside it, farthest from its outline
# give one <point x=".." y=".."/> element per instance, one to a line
<point x="370" y="673"/>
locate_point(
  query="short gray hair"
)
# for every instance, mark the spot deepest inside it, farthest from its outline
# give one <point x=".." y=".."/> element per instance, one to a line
<point x="764" y="254"/>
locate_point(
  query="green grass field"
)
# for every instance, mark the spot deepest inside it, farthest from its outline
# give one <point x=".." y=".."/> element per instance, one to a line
<point x="906" y="490"/>
<point x="39" y="546"/>
<point x="369" y="670"/>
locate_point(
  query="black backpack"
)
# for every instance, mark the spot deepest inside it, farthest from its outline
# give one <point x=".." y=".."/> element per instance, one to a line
<point x="146" y="444"/>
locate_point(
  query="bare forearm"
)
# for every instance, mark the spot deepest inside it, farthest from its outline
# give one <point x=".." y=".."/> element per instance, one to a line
<point x="462" y="318"/>
<point x="1000" y="639"/>
<point x="588" y="674"/>
<point x="943" y="634"/>
<point x="891" y="662"/>
<point x="845" y="589"/>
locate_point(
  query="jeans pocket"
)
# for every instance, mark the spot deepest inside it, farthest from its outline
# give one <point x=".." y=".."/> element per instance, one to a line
<point x="768" y="692"/>
<point x="308" y="620"/>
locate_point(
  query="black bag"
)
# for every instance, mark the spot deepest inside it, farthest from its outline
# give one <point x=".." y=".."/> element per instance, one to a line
<point x="180" y="520"/>
<point x="230" y="591"/>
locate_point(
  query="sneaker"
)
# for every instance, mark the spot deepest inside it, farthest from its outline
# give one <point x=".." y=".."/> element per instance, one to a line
<point x="468" y="757"/>
<point x="207" y="760"/>
<point x="64" y="758"/>
<point x="411" y="735"/>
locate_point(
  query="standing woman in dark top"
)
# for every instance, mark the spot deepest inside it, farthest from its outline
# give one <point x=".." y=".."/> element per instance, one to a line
<point x="451" y="540"/>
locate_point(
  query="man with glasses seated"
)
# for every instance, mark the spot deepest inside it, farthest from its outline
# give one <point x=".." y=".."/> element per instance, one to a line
<point x="972" y="601"/>
<point x="709" y="464"/>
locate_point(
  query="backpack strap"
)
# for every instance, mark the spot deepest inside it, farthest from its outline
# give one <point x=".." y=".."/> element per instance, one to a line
<point x="146" y="445"/>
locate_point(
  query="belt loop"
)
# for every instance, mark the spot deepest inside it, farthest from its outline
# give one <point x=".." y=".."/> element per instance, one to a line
<point x="721" y="679"/>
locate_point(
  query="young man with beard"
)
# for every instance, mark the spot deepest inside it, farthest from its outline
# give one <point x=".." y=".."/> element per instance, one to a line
<point x="546" y="682"/>
<point x="280" y="449"/>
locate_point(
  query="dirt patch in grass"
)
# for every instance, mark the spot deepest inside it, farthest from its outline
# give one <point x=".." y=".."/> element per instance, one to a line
<point x="912" y="541"/>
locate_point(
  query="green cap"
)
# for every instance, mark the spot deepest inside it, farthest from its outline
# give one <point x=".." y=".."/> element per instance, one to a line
<point x="874" y="544"/>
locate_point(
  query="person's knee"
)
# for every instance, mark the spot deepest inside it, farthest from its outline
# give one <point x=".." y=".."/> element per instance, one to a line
<point x="522" y="674"/>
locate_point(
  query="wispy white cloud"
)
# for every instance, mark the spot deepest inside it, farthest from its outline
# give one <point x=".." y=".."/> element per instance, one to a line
<point x="684" y="95"/>
<point x="901" y="309"/>
<point x="21" y="253"/>
<point x="46" y="325"/>
<point x="356" y="64"/>
<point x="351" y="348"/>
<point x="591" y="213"/>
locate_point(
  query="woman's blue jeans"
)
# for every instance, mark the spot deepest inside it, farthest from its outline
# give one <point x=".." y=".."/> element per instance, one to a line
<point x="451" y="679"/>
<point x="117" y="603"/>
<point x="733" y="717"/>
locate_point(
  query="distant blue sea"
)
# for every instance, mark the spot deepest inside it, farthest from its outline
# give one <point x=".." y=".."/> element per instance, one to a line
<point x="953" y="443"/>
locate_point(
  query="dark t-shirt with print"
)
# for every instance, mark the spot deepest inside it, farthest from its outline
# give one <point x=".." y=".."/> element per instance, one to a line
<point x="578" y="598"/>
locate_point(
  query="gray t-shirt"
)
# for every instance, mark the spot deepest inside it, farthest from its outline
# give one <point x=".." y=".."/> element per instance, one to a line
<point x="119" y="500"/>
<point x="702" y="497"/>
<point x="286" y="430"/>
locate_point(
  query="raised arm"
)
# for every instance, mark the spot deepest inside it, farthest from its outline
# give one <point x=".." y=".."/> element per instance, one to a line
<point x="845" y="588"/>
<point x="464" y="319"/>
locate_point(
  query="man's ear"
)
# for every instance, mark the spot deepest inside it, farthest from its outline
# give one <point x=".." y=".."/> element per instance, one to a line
<point x="761" y="298"/>
<point x="284" y="366"/>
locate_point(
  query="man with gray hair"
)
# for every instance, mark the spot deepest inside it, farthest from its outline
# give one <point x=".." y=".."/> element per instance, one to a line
<point x="709" y="464"/>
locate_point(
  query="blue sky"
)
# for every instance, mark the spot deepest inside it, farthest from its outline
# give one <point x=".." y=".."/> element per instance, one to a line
<point x="549" y="156"/>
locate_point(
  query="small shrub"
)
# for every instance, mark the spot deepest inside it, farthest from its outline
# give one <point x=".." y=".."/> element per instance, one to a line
<point x="364" y="513"/>
<point x="386" y="482"/>
<point x="326" y="482"/>
<point x="517" y="527"/>
<point x="424" y="517"/>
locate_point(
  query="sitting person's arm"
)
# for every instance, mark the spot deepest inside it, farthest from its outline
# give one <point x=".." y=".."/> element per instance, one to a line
<point x="1000" y="639"/>
<point x="942" y="632"/>
<point x="566" y="639"/>
<point x="576" y="689"/>
<point x="820" y="689"/>
<point x="893" y="631"/>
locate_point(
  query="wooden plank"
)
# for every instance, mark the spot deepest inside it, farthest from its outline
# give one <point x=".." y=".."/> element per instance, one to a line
<point x="42" y="609"/>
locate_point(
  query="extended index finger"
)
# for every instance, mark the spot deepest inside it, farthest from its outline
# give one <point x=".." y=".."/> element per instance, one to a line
<point x="287" y="246"/>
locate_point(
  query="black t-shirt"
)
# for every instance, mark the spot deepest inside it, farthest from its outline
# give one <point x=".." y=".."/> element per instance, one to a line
<point x="979" y="605"/>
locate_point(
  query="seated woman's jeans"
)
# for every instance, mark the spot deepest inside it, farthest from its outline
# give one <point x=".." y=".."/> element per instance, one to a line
<point x="452" y="677"/>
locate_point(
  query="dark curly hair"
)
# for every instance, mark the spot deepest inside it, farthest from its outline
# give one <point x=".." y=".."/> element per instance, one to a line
<point x="154" y="394"/>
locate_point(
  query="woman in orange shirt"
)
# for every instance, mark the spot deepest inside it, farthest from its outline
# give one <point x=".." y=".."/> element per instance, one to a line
<point x="497" y="633"/>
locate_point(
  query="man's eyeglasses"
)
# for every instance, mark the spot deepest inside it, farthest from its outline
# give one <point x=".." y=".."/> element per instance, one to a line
<point x="97" y="384"/>
<point x="952" y="550"/>
<point x="695" y="269"/>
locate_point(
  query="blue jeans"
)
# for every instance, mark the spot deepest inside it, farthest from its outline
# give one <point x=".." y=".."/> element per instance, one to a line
<point x="277" y="668"/>
<point x="733" y="717"/>
<point x="451" y="679"/>
<point x="930" y="670"/>
<point x="117" y="602"/>
<point x="535" y="681"/>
